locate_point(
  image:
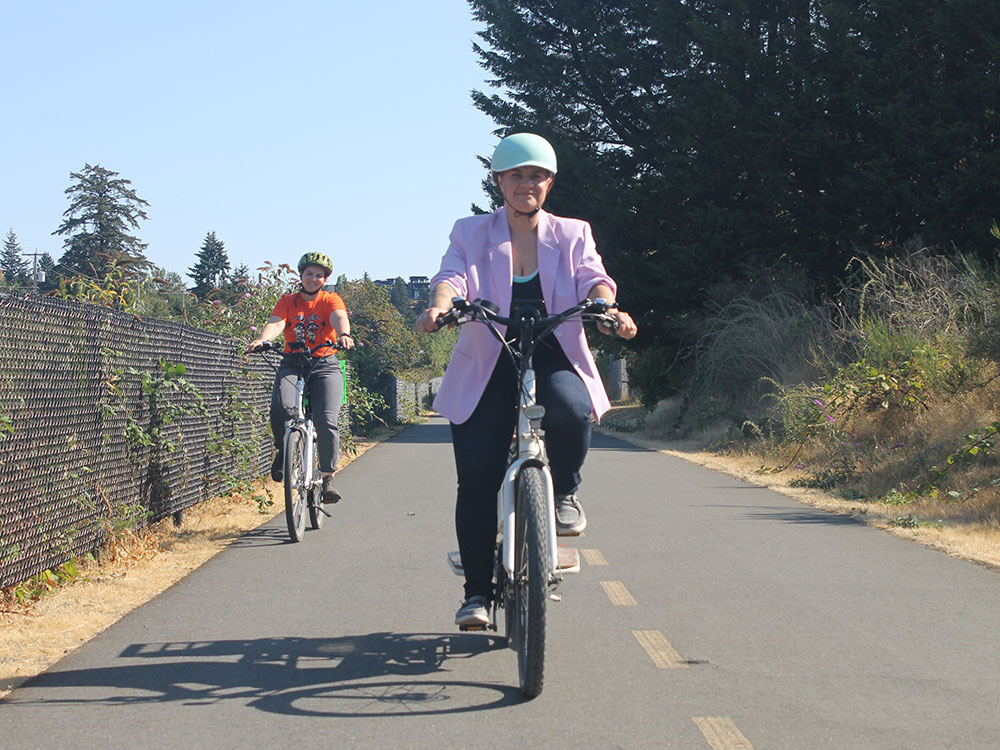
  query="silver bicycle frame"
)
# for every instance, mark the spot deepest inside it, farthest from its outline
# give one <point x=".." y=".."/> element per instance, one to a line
<point x="530" y="450"/>
<point x="301" y="423"/>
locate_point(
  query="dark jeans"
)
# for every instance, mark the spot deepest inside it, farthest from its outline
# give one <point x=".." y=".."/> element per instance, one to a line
<point x="325" y="386"/>
<point x="481" y="445"/>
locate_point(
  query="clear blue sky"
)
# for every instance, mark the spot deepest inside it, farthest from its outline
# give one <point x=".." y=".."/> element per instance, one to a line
<point x="345" y="127"/>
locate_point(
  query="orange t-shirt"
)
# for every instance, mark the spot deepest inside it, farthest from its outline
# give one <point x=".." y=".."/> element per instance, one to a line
<point x="309" y="321"/>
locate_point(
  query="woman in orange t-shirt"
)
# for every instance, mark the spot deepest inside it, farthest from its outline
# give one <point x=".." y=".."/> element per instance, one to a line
<point x="311" y="315"/>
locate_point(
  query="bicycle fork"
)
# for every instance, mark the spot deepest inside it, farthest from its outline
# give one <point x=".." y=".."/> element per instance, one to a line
<point x="301" y="423"/>
<point x="530" y="451"/>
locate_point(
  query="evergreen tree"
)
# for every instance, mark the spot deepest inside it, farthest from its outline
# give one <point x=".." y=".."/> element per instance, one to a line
<point x="236" y="285"/>
<point x="103" y="209"/>
<point x="14" y="267"/>
<point x="716" y="145"/>
<point x="210" y="272"/>
<point x="399" y="295"/>
<point x="164" y="295"/>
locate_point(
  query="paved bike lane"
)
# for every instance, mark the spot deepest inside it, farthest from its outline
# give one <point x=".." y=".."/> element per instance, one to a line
<point x="708" y="614"/>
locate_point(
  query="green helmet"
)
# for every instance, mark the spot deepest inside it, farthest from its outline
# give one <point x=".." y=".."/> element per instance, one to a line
<point x="316" y="259"/>
<point x="523" y="150"/>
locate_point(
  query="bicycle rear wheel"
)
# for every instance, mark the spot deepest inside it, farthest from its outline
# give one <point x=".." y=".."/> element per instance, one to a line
<point x="531" y="576"/>
<point x="295" y="485"/>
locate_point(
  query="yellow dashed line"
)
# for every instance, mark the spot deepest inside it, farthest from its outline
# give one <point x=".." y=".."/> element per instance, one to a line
<point x="618" y="594"/>
<point x="722" y="733"/>
<point x="664" y="655"/>
<point x="593" y="557"/>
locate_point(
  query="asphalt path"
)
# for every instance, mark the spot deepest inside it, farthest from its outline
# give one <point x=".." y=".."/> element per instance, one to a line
<point x="708" y="613"/>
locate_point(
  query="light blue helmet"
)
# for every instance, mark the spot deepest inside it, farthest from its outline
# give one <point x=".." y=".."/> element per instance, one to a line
<point x="523" y="150"/>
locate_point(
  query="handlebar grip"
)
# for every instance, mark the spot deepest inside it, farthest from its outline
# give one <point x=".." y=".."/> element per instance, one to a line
<point x="459" y="305"/>
<point x="602" y="319"/>
<point x="445" y="318"/>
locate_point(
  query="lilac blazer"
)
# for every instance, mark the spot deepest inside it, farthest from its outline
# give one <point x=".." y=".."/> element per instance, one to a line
<point x="478" y="264"/>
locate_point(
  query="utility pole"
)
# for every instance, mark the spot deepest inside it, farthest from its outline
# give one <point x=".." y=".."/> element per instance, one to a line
<point x="34" y="268"/>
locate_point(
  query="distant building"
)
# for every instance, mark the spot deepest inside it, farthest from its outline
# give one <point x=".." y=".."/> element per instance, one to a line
<point x="417" y="286"/>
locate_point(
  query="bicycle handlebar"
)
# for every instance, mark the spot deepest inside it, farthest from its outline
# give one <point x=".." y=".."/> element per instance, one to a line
<point x="483" y="310"/>
<point x="533" y="326"/>
<point x="296" y="347"/>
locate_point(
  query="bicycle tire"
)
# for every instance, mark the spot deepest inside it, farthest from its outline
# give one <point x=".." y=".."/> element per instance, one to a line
<point x="531" y="576"/>
<point x="295" y="489"/>
<point x="316" y="514"/>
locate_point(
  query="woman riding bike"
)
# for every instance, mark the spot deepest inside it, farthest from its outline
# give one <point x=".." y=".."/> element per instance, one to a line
<point x="519" y="252"/>
<point x="311" y="316"/>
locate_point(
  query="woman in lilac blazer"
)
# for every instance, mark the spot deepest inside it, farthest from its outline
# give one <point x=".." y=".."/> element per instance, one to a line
<point x="517" y="252"/>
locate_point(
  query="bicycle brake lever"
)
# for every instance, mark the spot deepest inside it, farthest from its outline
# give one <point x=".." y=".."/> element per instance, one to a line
<point x="601" y="305"/>
<point x="490" y="307"/>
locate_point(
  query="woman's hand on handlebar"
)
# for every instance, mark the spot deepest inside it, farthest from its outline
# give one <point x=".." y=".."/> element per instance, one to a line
<point x="258" y="345"/>
<point x="626" y="327"/>
<point x="428" y="320"/>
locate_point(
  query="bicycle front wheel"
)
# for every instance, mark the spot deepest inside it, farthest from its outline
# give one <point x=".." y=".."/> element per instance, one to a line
<point x="316" y="513"/>
<point x="531" y="576"/>
<point x="295" y="485"/>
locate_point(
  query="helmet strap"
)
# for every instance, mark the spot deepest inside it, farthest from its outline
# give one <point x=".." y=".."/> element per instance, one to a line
<point x="529" y="214"/>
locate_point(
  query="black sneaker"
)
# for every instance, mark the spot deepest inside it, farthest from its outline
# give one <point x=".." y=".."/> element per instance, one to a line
<point x="278" y="468"/>
<point x="330" y="494"/>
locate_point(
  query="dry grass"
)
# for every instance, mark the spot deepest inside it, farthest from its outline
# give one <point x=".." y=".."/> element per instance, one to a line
<point x="140" y="566"/>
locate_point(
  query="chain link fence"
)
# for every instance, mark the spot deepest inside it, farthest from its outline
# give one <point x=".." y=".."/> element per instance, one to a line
<point x="109" y="421"/>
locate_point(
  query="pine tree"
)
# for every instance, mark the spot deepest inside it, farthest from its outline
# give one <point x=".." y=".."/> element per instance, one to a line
<point x="13" y="266"/>
<point x="399" y="295"/>
<point x="210" y="272"/>
<point x="236" y="284"/>
<point x="103" y="209"/>
<point x="714" y="146"/>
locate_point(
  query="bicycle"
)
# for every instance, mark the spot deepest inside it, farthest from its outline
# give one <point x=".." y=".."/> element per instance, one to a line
<point x="302" y="480"/>
<point x="529" y="568"/>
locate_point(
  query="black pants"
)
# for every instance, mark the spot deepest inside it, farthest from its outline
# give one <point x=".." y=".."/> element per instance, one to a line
<point x="481" y="445"/>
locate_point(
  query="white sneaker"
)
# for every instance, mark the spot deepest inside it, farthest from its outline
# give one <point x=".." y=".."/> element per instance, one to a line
<point x="570" y="518"/>
<point x="475" y="611"/>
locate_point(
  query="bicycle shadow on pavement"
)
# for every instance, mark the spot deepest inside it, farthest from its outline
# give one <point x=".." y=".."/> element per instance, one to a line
<point x="272" y="533"/>
<point x="340" y="677"/>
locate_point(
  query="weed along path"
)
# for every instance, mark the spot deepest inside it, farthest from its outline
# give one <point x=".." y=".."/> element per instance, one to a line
<point x="709" y="613"/>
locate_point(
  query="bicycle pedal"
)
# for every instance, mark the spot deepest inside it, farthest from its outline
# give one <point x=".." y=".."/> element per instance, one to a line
<point x="472" y="628"/>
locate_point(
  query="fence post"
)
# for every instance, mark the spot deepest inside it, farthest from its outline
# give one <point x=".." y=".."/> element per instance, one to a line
<point x="618" y="375"/>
